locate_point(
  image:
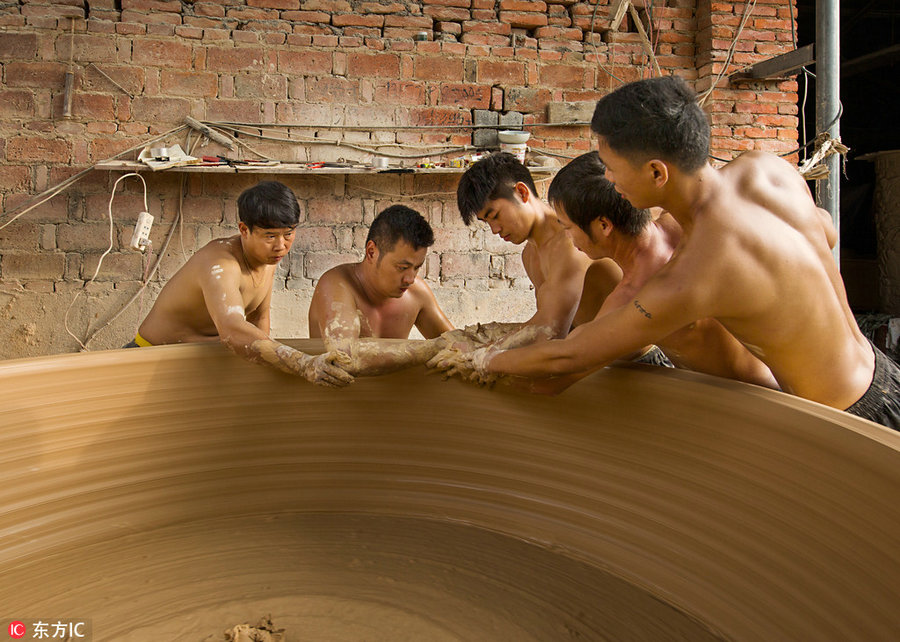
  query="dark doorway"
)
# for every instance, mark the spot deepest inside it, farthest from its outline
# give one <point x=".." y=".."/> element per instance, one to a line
<point x="870" y="96"/>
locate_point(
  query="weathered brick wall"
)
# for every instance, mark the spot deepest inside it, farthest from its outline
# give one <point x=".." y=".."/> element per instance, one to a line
<point x="318" y="63"/>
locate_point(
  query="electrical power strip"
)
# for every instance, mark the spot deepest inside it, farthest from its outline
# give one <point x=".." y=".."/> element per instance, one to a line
<point x="141" y="237"/>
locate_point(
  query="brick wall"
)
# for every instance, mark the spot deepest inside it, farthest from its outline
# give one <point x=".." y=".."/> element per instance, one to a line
<point x="141" y="66"/>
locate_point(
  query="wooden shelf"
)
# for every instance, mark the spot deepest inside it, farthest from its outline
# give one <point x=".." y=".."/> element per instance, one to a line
<point x="291" y="168"/>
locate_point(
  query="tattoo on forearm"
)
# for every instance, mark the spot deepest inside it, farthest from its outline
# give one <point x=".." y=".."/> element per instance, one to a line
<point x="642" y="310"/>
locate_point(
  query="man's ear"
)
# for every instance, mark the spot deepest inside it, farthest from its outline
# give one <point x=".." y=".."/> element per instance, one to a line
<point x="523" y="191"/>
<point x="243" y="229"/>
<point x="371" y="251"/>
<point x="601" y="227"/>
<point x="659" y="172"/>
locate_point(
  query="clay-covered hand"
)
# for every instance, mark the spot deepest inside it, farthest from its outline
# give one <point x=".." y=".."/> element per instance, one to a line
<point x="470" y="366"/>
<point x="326" y="369"/>
<point x="459" y="339"/>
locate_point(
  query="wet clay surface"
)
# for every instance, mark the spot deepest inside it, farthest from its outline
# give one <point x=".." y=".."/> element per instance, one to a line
<point x="173" y="492"/>
<point x="339" y="577"/>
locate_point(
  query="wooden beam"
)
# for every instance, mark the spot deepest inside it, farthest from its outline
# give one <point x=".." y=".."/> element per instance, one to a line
<point x="778" y="66"/>
<point x="617" y="13"/>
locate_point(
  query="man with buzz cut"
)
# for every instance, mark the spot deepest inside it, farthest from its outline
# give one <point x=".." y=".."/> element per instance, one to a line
<point x="568" y="286"/>
<point x="382" y="296"/>
<point x="224" y="291"/>
<point x="755" y="255"/>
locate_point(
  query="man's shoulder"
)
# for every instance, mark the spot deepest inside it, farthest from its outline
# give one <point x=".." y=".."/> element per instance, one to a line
<point x="221" y="252"/>
<point x="338" y="275"/>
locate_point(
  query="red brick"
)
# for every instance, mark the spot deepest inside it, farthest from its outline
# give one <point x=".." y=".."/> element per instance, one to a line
<point x="188" y="83"/>
<point x="511" y="73"/>
<point x="446" y="13"/>
<point x="160" y="110"/>
<point x="271" y="86"/>
<point x="186" y="31"/>
<point x="33" y="148"/>
<point x="332" y="89"/>
<point x="400" y="92"/>
<point x="355" y="20"/>
<point x="307" y="16"/>
<point x="474" y="26"/>
<point x="44" y="265"/>
<point x="419" y="23"/>
<point x="151" y="19"/>
<point x="89" y="106"/>
<point x="455" y="3"/>
<point x="439" y="68"/>
<point x="312" y="63"/>
<point x="756" y="108"/>
<point x="328" y="6"/>
<point x="565" y="76"/>
<point x="170" y="6"/>
<point x="373" y="65"/>
<point x="89" y="47"/>
<point x="22" y="46"/>
<point x="245" y="13"/>
<point x="523" y="5"/>
<point x="161" y="53"/>
<point x="453" y="28"/>
<point x="233" y="110"/>
<point x="20" y="235"/>
<point x="466" y="96"/>
<point x="211" y="9"/>
<point x="378" y="7"/>
<point x="439" y="116"/>
<point x="241" y="59"/>
<point x="275" y="4"/>
<point x="14" y="178"/>
<point x="16" y="104"/>
<point x="35" y="74"/>
<point x="558" y="33"/>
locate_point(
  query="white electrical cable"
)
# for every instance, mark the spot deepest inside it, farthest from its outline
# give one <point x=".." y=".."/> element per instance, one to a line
<point x="104" y="255"/>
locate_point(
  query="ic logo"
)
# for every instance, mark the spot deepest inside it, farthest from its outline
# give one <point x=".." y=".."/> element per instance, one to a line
<point x="16" y="630"/>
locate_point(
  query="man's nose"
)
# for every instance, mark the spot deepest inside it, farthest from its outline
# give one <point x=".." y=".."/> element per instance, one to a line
<point x="495" y="227"/>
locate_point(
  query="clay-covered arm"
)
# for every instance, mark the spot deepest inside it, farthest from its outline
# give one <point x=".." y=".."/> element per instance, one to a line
<point x="337" y="321"/>
<point x="370" y="357"/>
<point x="242" y="337"/>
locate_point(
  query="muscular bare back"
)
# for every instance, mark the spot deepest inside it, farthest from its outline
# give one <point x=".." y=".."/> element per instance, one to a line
<point x="758" y="259"/>
<point x="181" y="313"/>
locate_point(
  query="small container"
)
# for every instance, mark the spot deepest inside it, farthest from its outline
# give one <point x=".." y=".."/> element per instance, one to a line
<point x="379" y="162"/>
<point x="422" y="36"/>
<point x="514" y="142"/>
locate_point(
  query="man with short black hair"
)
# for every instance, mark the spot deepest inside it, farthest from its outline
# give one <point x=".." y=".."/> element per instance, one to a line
<point x="224" y="291"/>
<point x="755" y="255"/>
<point x="382" y="296"/>
<point x="568" y="286"/>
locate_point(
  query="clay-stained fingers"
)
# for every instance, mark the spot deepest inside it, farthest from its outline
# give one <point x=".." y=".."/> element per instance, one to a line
<point x="332" y="371"/>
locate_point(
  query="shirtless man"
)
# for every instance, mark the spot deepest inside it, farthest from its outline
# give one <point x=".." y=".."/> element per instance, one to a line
<point x="755" y="255"/>
<point x="381" y="297"/>
<point x="223" y="292"/>
<point x="603" y="224"/>
<point x="568" y="286"/>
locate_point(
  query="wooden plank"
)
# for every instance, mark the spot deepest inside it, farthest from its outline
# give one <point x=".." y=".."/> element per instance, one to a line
<point x="778" y="66"/>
